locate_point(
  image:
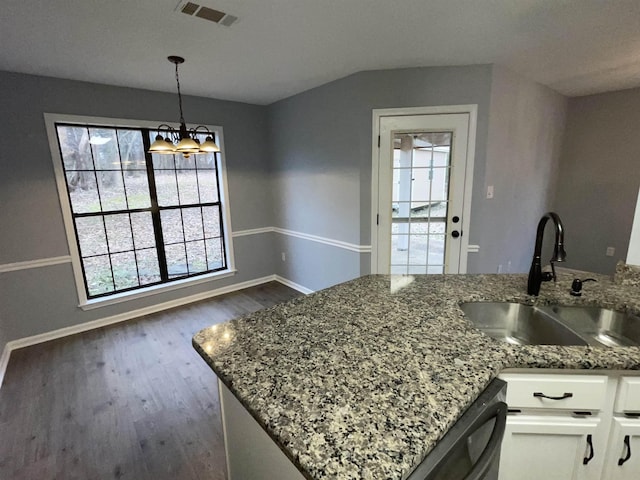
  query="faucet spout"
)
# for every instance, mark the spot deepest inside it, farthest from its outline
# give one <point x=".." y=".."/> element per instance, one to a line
<point x="559" y="255"/>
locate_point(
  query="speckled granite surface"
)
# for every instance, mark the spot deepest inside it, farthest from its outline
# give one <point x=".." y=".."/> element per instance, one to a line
<point x="627" y="274"/>
<point x="359" y="381"/>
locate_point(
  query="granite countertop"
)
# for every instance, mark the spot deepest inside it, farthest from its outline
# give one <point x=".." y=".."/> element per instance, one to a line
<point x="360" y="381"/>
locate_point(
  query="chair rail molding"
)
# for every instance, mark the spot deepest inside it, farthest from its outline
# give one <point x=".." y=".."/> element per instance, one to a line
<point x="41" y="262"/>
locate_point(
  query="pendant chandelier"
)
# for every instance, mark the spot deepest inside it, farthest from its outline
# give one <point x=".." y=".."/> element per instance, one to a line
<point x="182" y="141"/>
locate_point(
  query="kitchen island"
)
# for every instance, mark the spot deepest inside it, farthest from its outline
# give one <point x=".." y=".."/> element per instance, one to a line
<point x="362" y="379"/>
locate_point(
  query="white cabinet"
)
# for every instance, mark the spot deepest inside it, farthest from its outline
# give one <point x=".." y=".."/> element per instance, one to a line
<point x="570" y="426"/>
<point x="552" y="448"/>
<point x="623" y="459"/>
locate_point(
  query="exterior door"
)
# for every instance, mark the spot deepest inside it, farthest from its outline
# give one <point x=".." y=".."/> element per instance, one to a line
<point x="422" y="170"/>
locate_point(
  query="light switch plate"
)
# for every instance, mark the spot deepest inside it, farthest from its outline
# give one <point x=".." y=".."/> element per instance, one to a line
<point x="490" y="191"/>
<point x="610" y="251"/>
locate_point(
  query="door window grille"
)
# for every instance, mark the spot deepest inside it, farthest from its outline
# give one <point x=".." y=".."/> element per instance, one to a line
<point x="420" y="196"/>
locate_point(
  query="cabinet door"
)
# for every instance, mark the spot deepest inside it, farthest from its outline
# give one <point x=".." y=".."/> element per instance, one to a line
<point x="552" y="448"/>
<point x="624" y="446"/>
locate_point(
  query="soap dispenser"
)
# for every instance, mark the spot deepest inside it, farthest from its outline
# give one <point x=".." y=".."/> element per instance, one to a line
<point x="576" y="286"/>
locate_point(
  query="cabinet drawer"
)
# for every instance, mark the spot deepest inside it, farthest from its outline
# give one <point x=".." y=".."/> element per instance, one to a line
<point x="561" y="392"/>
<point x="628" y="400"/>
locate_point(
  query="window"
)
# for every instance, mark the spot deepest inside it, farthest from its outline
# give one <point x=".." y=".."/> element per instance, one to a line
<point x="139" y="219"/>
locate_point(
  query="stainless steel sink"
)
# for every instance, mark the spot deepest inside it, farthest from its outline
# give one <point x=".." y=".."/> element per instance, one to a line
<point x="519" y="324"/>
<point x="554" y="325"/>
<point x="611" y="328"/>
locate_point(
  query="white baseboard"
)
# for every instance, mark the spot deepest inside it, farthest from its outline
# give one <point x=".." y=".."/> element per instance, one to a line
<point x="295" y="286"/>
<point x="122" y="317"/>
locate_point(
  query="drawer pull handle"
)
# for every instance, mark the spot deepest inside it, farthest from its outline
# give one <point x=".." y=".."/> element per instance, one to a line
<point x="542" y="395"/>
<point x="587" y="459"/>
<point x="628" y="447"/>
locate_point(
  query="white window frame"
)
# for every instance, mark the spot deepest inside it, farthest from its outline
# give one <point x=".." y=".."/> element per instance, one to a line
<point x="83" y="302"/>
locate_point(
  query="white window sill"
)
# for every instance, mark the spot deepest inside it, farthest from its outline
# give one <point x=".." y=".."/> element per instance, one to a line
<point x="153" y="290"/>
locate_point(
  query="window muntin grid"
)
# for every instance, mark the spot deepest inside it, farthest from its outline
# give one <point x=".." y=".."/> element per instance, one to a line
<point x="117" y="209"/>
<point x="420" y="202"/>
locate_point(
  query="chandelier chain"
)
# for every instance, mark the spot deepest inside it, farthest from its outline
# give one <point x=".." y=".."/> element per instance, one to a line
<point x="179" y="95"/>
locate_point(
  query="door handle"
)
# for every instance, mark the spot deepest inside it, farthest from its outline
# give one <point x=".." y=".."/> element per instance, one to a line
<point x="497" y="411"/>
<point x="628" y="455"/>
<point x="542" y="395"/>
<point x="480" y="469"/>
<point x="589" y="457"/>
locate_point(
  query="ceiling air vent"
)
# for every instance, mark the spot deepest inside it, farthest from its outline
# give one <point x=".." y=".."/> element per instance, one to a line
<point x="216" y="16"/>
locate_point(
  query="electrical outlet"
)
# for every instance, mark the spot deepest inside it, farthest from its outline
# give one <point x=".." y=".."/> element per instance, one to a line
<point x="284" y="257"/>
<point x="499" y="268"/>
<point x="610" y="251"/>
<point x="490" y="191"/>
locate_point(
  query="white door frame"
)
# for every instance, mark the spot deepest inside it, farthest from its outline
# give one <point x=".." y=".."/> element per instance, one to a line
<point x="472" y="111"/>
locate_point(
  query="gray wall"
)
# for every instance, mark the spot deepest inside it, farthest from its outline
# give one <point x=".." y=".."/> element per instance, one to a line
<point x="321" y="156"/>
<point x="526" y="128"/>
<point x="43" y="299"/>
<point x="303" y="164"/>
<point x="599" y="177"/>
<point x="321" y="159"/>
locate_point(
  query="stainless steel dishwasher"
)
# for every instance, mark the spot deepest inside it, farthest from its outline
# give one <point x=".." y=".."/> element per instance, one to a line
<point x="470" y="450"/>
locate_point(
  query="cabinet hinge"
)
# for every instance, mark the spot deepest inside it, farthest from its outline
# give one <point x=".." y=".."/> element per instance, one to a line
<point x="377" y="219"/>
<point x="378" y="141"/>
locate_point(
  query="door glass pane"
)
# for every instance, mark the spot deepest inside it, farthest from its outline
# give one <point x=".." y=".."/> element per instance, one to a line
<point x="399" y="249"/>
<point x="418" y="245"/>
<point x="436" y="226"/>
<point x="418" y="226"/>
<point x="436" y="250"/>
<point x="417" y="269"/>
<point x="420" y="191"/>
<point x="399" y="270"/>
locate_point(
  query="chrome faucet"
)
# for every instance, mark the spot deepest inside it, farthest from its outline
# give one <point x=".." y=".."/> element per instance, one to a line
<point x="536" y="277"/>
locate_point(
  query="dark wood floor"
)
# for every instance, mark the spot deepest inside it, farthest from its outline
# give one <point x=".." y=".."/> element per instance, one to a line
<point x="128" y="401"/>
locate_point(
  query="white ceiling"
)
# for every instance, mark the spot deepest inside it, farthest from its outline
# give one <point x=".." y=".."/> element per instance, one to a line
<point x="282" y="47"/>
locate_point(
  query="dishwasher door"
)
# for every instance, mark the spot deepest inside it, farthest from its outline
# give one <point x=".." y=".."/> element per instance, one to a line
<point x="471" y="448"/>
